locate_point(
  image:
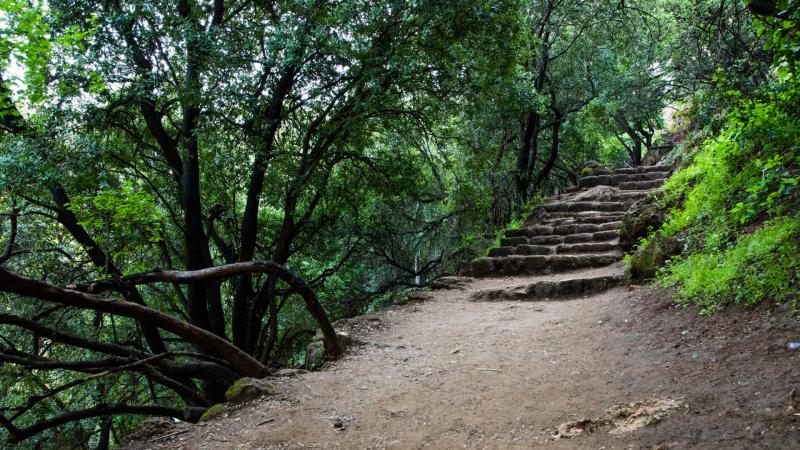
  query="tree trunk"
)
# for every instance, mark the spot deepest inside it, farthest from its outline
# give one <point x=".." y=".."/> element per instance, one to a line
<point x="551" y="160"/>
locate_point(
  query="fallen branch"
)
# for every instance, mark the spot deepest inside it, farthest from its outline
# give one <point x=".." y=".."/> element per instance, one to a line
<point x="167" y="436"/>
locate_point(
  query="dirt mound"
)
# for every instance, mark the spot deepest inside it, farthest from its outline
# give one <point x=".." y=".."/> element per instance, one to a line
<point x="619" y="419"/>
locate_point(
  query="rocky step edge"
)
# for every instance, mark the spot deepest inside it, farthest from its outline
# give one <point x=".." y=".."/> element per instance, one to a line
<point x="609" y="194"/>
<point x="584" y="206"/>
<point x="558" y="230"/>
<point x="592" y="242"/>
<point x="665" y="171"/>
<point x="539" y="264"/>
<point x="560" y="249"/>
<point x="631" y="170"/>
<point x="613" y="180"/>
<point x="546" y="290"/>
<point x="624" y="182"/>
<point x="567" y="219"/>
<point x="558" y="239"/>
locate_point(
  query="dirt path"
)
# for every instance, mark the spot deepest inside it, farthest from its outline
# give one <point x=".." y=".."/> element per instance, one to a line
<point x="455" y="373"/>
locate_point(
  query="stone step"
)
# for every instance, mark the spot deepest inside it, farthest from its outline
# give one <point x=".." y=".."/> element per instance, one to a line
<point x="570" y="219"/>
<point x="641" y="185"/>
<point x="615" y="180"/>
<point x="620" y="207"/>
<point x="632" y="170"/>
<point x="517" y="237"/>
<point x="573" y="238"/>
<point x="588" y="247"/>
<point x="643" y="169"/>
<point x="546" y="289"/>
<point x="617" y="195"/>
<point x="579" y="214"/>
<point x="557" y="247"/>
<point x="539" y="264"/>
<point x="573" y="228"/>
<point x="522" y="249"/>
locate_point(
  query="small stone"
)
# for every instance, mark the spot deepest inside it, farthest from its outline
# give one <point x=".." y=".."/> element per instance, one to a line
<point x="288" y="373"/>
<point x="451" y="282"/>
<point x="419" y="296"/>
<point x="793" y="346"/>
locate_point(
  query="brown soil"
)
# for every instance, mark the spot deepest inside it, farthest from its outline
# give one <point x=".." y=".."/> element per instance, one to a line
<point x="621" y="369"/>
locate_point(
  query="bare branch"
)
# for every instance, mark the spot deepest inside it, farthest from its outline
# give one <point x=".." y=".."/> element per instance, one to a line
<point x="239" y="360"/>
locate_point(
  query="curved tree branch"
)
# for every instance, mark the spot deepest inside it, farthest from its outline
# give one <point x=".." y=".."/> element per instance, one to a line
<point x="332" y="346"/>
<point x="16" y="435"/>
<point x="213" y="370"/>
<point x="243" y="363"/>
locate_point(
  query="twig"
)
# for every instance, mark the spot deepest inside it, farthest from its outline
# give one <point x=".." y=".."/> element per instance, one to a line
<point x="168" y="435"/>
<point x="266" y="421"/>
<point x="486" y="369"/>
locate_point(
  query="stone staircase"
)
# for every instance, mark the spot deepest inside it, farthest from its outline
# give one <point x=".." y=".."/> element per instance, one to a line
<point x="567" y="242"/>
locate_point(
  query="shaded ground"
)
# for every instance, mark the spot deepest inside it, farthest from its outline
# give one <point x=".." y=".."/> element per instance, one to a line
<point x="453" y="373"/>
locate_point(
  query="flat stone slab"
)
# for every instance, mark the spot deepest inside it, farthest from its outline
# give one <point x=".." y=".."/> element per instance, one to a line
<point x="545" y="290"/>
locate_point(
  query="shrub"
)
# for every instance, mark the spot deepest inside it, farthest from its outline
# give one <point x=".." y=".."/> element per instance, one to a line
<point x="760" y="266"/>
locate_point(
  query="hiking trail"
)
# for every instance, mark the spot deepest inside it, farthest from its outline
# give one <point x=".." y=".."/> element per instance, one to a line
<point x="542" y="348"/>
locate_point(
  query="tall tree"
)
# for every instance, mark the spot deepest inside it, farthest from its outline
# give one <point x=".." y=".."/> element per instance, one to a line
<point x="228" y="141"/>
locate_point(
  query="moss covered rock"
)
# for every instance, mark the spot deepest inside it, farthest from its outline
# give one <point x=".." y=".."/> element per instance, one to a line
<point x="315" y="355"/>
<point x="642" y="218"/>
<point x="245" y="389"/>
<point x="315" y="351"/>
<point x="212" y="412"/>
<point x="644" y="264"/>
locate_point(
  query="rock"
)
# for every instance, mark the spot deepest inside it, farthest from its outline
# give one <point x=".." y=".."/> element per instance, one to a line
<point x="315" y="351"/>
<point x="643" y="218"/>
<point x="288" y="373"/>
<point x="315" y="355"/>
<point x="517" y="232"/>
<point x="656" y="157"/>
<point x="600" y="193"/>
<point x="246" y="388"/>
<point x="574" y="428"/>
<point x="451" y="282"/>
<point x="645" y="262"/>
<point x="482" y="267"/>
<point x="419" y="296"/>
<point x="793" y="346"/>
<point x="513" y="241"/>
<point x="212" y="412"/>
<point x="497" y="251"/>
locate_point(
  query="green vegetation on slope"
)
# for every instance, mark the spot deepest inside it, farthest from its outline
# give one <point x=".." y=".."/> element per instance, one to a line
<point x="737" y="199"/>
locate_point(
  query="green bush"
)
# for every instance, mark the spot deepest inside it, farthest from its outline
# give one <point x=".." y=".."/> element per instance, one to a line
<point x="761" y="266"/>
<point x="743" y="180"/>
